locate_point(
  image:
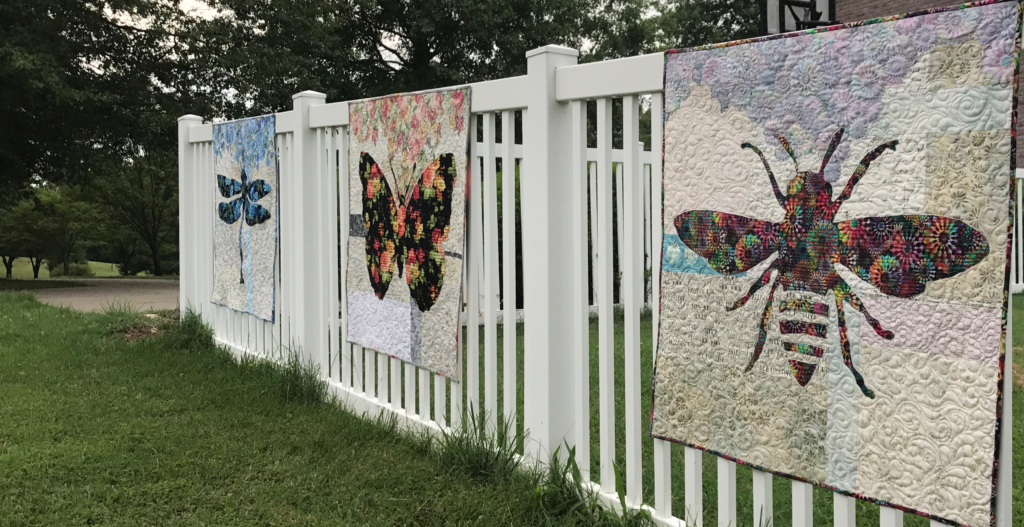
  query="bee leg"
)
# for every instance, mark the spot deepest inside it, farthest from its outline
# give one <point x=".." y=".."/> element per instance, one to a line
<point x="844" y="290"/>
<point x="771" y="176"/>
<point x="766" y="277"/>
<point x="762" y="335"/>
<point x="847" y="356"/>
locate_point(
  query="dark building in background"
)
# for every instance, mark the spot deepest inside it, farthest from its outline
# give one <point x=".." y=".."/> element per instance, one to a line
<point x="781" y="16"/>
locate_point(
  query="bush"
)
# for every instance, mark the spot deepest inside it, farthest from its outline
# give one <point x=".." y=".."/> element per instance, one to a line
<point x="81" y="270"/>
<point x="190" y="334"/>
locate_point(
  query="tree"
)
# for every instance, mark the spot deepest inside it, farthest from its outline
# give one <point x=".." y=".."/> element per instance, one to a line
<point x="66" y="224"/>
<point x="23" y="233"/>
<point x="140" y="194"/>
<point x="80" y="81"/>
<point x="689" y="23"/>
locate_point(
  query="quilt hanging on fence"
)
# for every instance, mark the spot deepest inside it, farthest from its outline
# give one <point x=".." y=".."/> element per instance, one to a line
<point x="837" y="206"/>
<point x="408" y="174"/>
<point x="245" y="230"/>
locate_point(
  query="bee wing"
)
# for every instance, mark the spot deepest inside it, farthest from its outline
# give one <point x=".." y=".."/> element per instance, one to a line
<point x="257" y="189"/>
<point x="256" y="214"/>
<point x="730" y="243"/>
<point x="899" y="255"/>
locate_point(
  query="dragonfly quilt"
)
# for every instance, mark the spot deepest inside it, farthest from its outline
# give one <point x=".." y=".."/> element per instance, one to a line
<point x="408" y="180"/>
<point x="245" y="229"/>
<point x="837" y="224"/>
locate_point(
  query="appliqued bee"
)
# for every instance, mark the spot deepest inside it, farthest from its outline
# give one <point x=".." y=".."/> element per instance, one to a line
<point x="898" y="255"/>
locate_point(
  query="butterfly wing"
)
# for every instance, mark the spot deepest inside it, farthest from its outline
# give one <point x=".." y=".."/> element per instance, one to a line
<point x="230" y="211"/>
<point x="380" y="217"/>
<point x="730" y="243"/>
<point x="228" y="187"/>
<point x="899" y="255"/>
<point x="424" y="228"/>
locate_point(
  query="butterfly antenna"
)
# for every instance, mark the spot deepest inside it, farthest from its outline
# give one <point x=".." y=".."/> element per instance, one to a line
<point x="831" y="149"/>
<point x="789" y="150"/>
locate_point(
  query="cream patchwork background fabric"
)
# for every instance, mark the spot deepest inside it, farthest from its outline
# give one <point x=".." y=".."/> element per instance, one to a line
<point x="405" y="134"/>
<point x="939" y="83"/>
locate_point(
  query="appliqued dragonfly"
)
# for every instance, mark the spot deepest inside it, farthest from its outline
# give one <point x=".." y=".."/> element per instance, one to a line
<point x="244" y="205"/>
<point x="898" y="255"/>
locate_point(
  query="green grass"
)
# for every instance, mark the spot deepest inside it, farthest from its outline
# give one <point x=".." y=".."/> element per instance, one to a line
<point x="22" y="270"/>
<point x="27" y="285"/>
<point x="867" y="513"/>
<point x="170" y="431"/>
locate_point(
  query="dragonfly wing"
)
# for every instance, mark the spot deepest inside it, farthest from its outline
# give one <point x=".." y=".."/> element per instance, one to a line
<point x="228" y="187"/>
<point x="380" y="219"/>
<point x="428" y="213"/>
<point x="230" y="211"/>
<point x="257" y="189"/>
<point x="899" y="255"/>
<point x="730" y="243"/>
<point x="256" y="214"/>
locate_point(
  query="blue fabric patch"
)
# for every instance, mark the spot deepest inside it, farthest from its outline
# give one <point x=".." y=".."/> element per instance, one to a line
<point x="678" y="258"/>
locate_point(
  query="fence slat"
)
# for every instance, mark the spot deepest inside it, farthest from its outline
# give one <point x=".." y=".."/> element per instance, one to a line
<point x="581" y="311"/>
<point x="845" y="510"/>
<point x="424" y="393"/>
<point x="510" y="364"/>
<point x="357" y="368"/>
<point x="474" y="253"/>
<point x="726" y="493"/>
<point x="369" y="375"/>
<point x="382" y="378"/>
<point x="662" y="449"/>
<point x="592" y="193"/>
<point x="395" y="386"/>
<point x="803" y="500"/>
<point x="343" y="226"/>
<point x="693" y="486"/>
<point x="606" y="323"/>
<point x="410" y="389"/>
<point x="490" y="272"/>
<point x="889" y="517"/>
<point x="763" y="509"/>
<point x="632" y="278"/>
<point x="439" y="400"/>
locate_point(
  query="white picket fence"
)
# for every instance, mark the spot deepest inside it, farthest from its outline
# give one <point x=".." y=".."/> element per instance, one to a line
<point x="557" y="169"/>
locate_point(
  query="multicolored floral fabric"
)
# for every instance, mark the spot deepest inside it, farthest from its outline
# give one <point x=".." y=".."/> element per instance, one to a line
<point x="408" y="158"/>
<point x="911" y="118"/>
<point x="245" y="234"/>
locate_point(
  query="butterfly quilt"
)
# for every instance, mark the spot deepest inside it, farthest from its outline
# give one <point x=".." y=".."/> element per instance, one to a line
<point x="245" y="228"/>
<point x="837" y="224"/>
<point x="408" y="181"/>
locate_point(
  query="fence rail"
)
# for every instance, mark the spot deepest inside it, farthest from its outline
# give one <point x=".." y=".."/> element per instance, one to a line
<point x="566" y="193"/>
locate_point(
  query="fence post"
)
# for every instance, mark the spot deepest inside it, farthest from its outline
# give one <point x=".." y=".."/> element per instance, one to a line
<point x="308" y="314"/>
<point x="546" y="189"/>
<point x="188" y="296"/>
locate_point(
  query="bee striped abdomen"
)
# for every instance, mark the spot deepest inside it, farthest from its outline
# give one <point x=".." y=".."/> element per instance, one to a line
<point x="804" y="329"/>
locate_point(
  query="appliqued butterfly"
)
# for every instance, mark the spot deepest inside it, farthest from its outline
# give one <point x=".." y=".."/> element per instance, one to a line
<point x="231" y="211"/>
<point x="898" y="255"/>
<point x="405" y="236"/>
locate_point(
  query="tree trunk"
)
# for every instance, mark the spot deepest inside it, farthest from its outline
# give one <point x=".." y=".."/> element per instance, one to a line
<point x="9" y="265"/>
<point x="36" y="264"/>
<point x="158" y="270"/>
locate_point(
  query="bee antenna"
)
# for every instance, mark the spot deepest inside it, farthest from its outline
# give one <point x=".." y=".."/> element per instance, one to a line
<point x="831" y="149"/>
<point x="789" y="150"/>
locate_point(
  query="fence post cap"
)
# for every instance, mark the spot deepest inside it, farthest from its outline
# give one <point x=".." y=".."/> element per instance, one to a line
<point x="190" y="117"/>
<point x="553" y="48"/>
<point x="309" y="93"/>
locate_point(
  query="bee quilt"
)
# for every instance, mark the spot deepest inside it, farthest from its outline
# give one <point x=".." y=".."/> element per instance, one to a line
<point x="408" y="179"/>
<point x="837" y="215"/>
<point x="245" y="231"/>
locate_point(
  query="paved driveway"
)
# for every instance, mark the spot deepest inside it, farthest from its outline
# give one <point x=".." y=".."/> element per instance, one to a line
<point x="102" y="292"/>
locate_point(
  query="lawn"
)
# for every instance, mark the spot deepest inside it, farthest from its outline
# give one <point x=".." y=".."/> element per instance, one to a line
<point x="96" y="430"/>
<point x="23" y="270"/>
